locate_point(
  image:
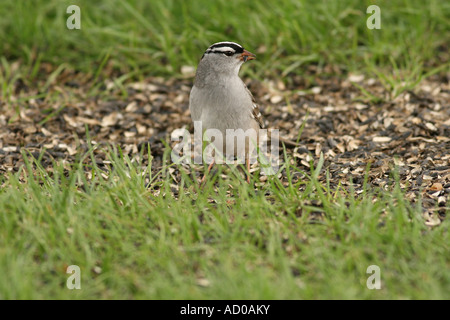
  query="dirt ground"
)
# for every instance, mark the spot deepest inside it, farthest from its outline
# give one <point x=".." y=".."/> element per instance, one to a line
<point x="408" y="134"/>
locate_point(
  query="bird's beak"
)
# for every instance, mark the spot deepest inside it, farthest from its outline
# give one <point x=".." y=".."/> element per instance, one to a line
<point x="247" y="56"/>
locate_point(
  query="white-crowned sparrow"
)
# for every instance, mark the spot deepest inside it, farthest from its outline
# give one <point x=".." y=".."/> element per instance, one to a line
<point x="221" y="100"/>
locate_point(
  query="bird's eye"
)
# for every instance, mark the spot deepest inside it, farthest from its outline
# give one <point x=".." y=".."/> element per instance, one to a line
<point x="229" y="53"/>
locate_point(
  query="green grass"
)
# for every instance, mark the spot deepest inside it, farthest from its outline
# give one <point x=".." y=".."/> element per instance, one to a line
<point x="132" y="238"/>
<point x="130" y="40"/>
<point x="158" y="37"/>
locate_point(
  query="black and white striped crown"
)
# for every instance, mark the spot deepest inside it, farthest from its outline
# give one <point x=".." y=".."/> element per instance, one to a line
<point x="225" y="47"/>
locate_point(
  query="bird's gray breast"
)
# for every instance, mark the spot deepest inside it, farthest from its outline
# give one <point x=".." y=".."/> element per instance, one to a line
<point x="222" y="106"/>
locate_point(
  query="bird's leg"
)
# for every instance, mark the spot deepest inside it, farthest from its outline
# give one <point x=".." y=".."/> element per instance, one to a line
<point x="247" y="161"/>
<point x="208" y="171"/>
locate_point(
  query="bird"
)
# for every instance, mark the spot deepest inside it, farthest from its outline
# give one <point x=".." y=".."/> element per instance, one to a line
<point x="221" y="101"/>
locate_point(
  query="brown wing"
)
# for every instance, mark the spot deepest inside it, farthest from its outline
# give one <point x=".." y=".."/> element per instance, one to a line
<point x="256" y="114"/>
